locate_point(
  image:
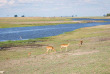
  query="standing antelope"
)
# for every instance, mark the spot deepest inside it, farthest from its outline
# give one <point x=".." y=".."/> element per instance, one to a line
<point x="64" y="46"/>
<point x="50" y="48"/>
<point x="81" y="42"/>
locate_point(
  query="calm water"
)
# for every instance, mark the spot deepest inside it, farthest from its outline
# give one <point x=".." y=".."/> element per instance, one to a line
<point x="19" y="33"/>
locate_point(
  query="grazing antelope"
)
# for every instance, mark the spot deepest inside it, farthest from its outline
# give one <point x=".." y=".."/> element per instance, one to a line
<point x="29" y="54"/>
<point x="64" y="46"/>
<point x="7" y="58"/>
<point x="50" y="48"/>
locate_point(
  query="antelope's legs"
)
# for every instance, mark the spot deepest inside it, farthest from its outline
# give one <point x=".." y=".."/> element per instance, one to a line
<point x="66" y="48"/>
<point x="47" y="50"/>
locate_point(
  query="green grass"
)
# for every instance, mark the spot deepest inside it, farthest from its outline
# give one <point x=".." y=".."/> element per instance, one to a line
<point x="94" y="17"/>
<point x="62" y="62"/>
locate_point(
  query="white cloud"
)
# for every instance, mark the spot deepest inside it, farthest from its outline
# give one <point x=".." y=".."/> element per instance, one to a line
<point x="3" y="2"/>
<point x="29" y="1"/>
<point x="85" y="1"/>
<point x="11" y="2"/>
<point x="6" y="2"/>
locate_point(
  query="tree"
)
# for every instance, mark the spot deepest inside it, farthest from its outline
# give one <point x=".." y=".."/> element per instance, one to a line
<point x="22" y="16"/>
<point x="15" y="15"/>
<point x="108" y="14"/>
<point x="72" y="15"/>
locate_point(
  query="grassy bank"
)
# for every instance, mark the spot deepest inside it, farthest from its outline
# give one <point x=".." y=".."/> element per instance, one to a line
<point x="100" y="17"/>
<point x="91" y="58"/>
<point x="7" y="22"/>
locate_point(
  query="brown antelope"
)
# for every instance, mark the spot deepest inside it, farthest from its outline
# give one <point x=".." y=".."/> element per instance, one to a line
<point x="81" y="42"/>
<point x="64" y="46"/>
<point x="29" y="54"/>
<point x="50" y="48"/>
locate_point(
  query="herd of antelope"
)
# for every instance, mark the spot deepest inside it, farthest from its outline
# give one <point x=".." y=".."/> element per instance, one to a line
<point x="62" y="46"/>
<point x="52" y="48"/>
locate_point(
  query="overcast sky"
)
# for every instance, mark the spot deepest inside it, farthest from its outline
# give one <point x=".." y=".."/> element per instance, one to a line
<point x="48" y="8"/>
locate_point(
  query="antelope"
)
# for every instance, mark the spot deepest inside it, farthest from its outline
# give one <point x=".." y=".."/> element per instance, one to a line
<point x="29" y="54"/>
<point x="64" y="46"/>
<point x="50" y="48"/>
<point x="81" y="42"/>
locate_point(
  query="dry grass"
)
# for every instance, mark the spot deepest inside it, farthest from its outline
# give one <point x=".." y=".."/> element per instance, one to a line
<point x="6" y="22"/>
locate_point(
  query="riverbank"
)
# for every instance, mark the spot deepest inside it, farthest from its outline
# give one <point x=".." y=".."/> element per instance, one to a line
<point x="92" y="57"/>
<point x="8" y="22"/>
<point x="100" y="17"/>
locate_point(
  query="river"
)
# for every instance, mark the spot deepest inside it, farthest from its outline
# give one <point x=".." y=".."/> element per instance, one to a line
<point x="24" y="33"/>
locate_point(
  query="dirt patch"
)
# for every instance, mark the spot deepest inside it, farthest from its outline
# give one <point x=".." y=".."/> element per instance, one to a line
<point x="42" y="60"/>
<point x="104" y="39"/>
<point x="24" y="47"/>
<point x="83" y="53"/>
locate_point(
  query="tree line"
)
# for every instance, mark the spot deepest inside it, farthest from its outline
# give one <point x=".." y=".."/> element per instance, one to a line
<point x="54" y="16"/>
<point x="17" y="16"/>
<point x="108" y="14"/>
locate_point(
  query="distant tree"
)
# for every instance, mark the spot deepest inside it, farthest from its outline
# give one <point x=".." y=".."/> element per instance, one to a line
<point x="15" y="15"/>
<point x="108" y="14"/>
<point x="72" y="15"/>
<point x="22" y="16"/>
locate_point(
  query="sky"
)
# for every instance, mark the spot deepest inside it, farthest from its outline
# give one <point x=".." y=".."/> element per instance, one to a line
<point x="50" y="8"/>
